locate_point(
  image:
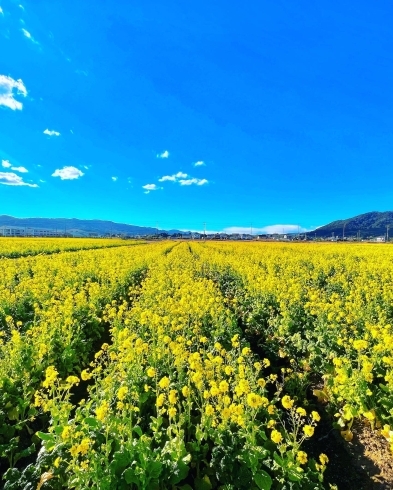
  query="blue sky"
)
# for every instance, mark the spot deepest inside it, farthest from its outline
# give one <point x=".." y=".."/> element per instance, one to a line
<point x="180" y="113"/>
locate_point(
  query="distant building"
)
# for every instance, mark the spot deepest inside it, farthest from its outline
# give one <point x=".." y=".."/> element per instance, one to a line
<point x="8" y="231"/>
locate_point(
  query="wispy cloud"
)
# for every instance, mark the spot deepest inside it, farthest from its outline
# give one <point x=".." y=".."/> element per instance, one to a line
<point x="27" y="34"/>
<point x="82" y="72"/>
<point x="10" y="178"/>
<point x="199" y="163"/>
<point x="1" y="11"/>
<point x="193" y="181"/>
<point x="51" y="132"/>
<point x="164" y="154"/>
<point x="68" y="173"/>
<point x="270" y="230"/>
<point x="173" y="178"/>
<point x="8" y="164"/>
<point x="22" y="170"/>
<point x="114" y="179"/>
<point x="183" y="179"/>
<point x="9" y="88"/>
<point x="150" y="187"/>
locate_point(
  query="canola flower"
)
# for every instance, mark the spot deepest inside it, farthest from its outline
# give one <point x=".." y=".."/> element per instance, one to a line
<point x="52" y="310"/>
<point x="190" y="377"/>
<point x="17" y="247"/>
<point x="178" y="378"/>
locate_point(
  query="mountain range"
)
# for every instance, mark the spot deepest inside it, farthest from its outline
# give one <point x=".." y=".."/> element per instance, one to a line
<point x="367" y="225"/>
<point x="370" y="224"/>
<point x="79" y="227"/>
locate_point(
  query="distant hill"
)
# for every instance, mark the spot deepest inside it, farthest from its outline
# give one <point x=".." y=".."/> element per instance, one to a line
<point x="78" y="227"/>
<point x="368" y="225"/>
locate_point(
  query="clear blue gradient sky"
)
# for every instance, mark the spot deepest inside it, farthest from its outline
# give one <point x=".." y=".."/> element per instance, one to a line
<point x="106" y="107"/>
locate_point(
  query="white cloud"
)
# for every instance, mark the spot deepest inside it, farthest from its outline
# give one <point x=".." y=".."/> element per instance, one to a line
<point x="29" y="36"/>
<point x="21" y="6"/>
<point x="183" y="179"/>
<point x="164" y="154"/>
<point x="1" y="11"/>
<point x="193" y="181"/>
<point x="9" y="88"/>
<point x="270" y="230"/>
<point x="26" y="33"/>
<point x="8" y="164"/>
<point x="199" y="163"/>
<point x="9" y="178"/>
<point x="114" y="179"/>
<point x="81" y="72"/>
<point x="68" y="173"/>
<point x="51" y="132"/>
<point x="174" y="177"/>
<point x="22" y="170"/>
<point x="150" y="187"/>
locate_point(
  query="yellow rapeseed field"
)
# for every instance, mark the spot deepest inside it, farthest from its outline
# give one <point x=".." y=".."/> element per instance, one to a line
<point x="20" y="247"/>
<point x="191" y="365"/>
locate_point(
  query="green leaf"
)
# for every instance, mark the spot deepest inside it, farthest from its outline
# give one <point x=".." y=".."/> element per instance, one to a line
<point x="154" y="469"/>
<point x="278" y="459"/>
<point x="203" y="483"/>
<point x="143" y="397"/>
<point x="121" y="459"/>
<point x="263" y="480"/>
<point x="138" y="430"/>
<point x="59" y="429"/>
<point x="130" y="476"/>
<point x="294" y="475"/>
<point x="263" y="435"/>
<point x="91" y="422"/>
<point x="180" y="473"/>
<point x="45" y="437"/>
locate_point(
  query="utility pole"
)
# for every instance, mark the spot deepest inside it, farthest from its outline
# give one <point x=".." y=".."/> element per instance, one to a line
<point x="251" y="229"/>
<point x="204" y="229"/>
<point x="157" y="227"/>
<point x="345" y="223"/>
<point x="387" y="232"/>
<point x="298" y="232"/>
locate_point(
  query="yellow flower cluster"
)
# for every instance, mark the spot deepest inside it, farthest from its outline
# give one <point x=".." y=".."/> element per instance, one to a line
<point x="335" y="300"/>
<point x="52" y="310"/>
<point x="178" y="366"/>
<point x="182" y="375"/>
<point x="22" y="247"/>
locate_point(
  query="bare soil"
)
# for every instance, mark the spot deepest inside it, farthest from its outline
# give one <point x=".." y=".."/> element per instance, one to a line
<point x="365" y="463"/>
